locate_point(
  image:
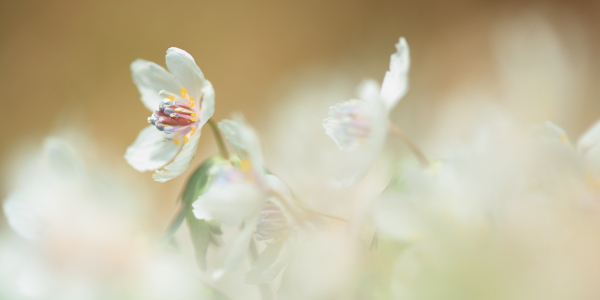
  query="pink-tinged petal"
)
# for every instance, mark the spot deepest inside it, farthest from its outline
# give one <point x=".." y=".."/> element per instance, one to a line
<point x="150" y="79"/>
<point x="150" y="150"/>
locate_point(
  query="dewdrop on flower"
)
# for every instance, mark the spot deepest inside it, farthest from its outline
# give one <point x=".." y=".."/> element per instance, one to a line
<point x="177" y="114"/>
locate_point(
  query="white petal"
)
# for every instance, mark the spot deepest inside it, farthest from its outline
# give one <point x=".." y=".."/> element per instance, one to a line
<point x="150" y="150"/>
<point x="208" y="103"/>
<point x="182" y="160"/>
<point x="271" y="261"/>
<point x="238" y="249"/>
<point x="229" y="203"/>
<point x="590" y="139"/>
<point x="20" y="212"/>
<point x="183" y="66"/>
<point x="150" y="79"/>
<point x="244" y="140"/>
<point x="368" y="90"/>
<point x="395" y="82"/>
<point x="231" y="130"/>
<point x="354" y="123"/>
<point x="550" y="132"/>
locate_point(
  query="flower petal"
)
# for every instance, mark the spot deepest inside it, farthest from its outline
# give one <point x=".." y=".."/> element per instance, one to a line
<point x="20" y="212"/>
<point x="229" y="203"/>
<point x="590" y="139"/>
<point x="238" y="249"/>
<point x="245" y="141"/>
<point x="395" y="82"/>
<point x="150" y="79"/>
<point x="208" y="103"/>
<point x="182" y="160"/>
<point x="183" y="66"/>
<point x="150" y="150"/>
<point x="271" y="261"/>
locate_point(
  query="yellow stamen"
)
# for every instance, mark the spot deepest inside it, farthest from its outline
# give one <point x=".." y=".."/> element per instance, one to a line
<point x="183" y="93"/>
<point x="171" y="97"/>
<point x="176" y="142"/>
<point x="193" y="128"/>
<point x="192" y="104"/>
<point x="192" y="98"/>
<point x="193" y="114"/>
<point x="186" y="139"/>
<point x="246" y="165"/>
<point x="193" y="119"/>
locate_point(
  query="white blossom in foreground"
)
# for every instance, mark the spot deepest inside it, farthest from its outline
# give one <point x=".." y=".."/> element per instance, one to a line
<point x="82" y="236"/>
<point x="181" y="102"/>
<point x="238" y="193"/>
<point x="364" y="121"/>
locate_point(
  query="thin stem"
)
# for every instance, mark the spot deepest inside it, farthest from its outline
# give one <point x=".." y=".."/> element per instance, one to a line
<point x="264" y="288"/>
<point x="218" y="139"/>
<point x="415" y="150"/>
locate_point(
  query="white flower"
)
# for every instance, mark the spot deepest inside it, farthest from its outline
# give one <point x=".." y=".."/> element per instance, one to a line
<point x="237" y="195"/>
<point x="364" y="121"/>
<point x="177" y="116"/>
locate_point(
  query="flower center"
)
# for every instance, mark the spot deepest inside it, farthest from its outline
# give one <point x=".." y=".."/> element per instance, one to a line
<point x="272" y="224"/>
<point x="176" y="116"/>
<point x="349" y="124"/>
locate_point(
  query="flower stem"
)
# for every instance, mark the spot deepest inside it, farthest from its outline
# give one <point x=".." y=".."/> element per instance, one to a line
<point x="265" y="288"/>
<point x="218" y="139"/>
<point x="415" y="150"/>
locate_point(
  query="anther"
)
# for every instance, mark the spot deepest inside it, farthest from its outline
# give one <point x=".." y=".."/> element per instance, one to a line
<point x="160" y="127"/>
<point x="183" y="110"/>
<point x="168" y="129"/>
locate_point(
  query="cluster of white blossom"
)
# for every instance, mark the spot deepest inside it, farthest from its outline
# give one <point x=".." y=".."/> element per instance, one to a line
<point x="515" y="214"/>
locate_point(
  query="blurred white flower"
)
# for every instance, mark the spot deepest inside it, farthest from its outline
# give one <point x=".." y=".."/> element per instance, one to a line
<point x="177" y="116"/>
<point x="83" y="235"/>
<point x="364" y="121"/>
<point x="239" y="191"/>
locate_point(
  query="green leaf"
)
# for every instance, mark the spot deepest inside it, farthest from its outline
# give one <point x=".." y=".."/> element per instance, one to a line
<point x="202" y="232"/>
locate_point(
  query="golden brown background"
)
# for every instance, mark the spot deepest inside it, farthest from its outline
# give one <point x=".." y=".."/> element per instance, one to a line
<point x="66" y="59"/>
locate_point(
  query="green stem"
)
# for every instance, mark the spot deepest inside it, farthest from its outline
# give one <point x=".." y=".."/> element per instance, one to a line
<point x="218" y="139"/>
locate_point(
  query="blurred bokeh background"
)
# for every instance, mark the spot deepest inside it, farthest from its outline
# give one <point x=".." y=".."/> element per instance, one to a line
<point x="62" y="60"/>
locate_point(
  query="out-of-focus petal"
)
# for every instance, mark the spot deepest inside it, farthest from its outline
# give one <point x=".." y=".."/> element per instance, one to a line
<point x="182" y="160"/>
<point x="150" y="79"/>
<point x="244" y="140"/>
<point x="21" y="216"/>
<point x="150" y="150"/>
<point x="229" y="203"/>
<point x="590" y="139"/>
<point x="271" y="261"/>
<point x="238" y="249"/>
<point x="368" y="90"/>
<point x="183" y="66"/>
<point x="395" y="82"/>
<point x="551" y="132"/>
